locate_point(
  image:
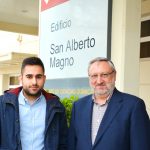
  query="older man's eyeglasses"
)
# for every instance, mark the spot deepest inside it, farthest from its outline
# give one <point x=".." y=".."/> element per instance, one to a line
<point x="103" y="75"/>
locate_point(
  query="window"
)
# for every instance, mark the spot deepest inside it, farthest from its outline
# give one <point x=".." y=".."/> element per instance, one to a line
<point x="13" y="82"/>
<point x="145" y="38"/>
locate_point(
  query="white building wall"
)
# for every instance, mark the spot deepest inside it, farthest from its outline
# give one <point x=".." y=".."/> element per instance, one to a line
<point x="126" y="20"/>
<point x="145" y="82"/>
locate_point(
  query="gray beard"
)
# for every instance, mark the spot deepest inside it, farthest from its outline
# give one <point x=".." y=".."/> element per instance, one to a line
<point x="108" y="92"/>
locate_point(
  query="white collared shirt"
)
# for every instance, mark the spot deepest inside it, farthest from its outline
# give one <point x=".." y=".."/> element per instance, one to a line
<point x="32" y="122"/>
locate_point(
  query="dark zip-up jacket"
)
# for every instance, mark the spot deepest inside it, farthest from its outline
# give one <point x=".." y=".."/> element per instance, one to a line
<point x="55" y="126"/>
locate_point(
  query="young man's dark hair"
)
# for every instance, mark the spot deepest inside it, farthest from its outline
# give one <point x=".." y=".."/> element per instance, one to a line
<point x="32" y="61"/>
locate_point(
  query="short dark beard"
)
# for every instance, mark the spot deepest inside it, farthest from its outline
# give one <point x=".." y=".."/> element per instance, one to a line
<point x="32" y="95"/>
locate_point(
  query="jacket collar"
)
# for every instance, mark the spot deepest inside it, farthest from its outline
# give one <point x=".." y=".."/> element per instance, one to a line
<point x="11" y="96"/>
<point x="16" y="92"/>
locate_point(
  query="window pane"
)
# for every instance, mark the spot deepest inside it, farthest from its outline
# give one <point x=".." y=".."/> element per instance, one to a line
<point x="145" y="50"/>
<point x="145" y="28"/>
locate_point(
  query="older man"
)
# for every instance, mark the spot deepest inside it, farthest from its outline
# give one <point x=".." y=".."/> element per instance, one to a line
<point x="108" y="119"/>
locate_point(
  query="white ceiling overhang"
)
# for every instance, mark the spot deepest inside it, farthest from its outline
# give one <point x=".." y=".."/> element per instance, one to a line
<point x="11" y="61"/>
<point x="19" y="16"/>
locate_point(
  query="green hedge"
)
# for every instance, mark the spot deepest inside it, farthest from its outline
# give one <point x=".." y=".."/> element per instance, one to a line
<point x="67" y="102"/>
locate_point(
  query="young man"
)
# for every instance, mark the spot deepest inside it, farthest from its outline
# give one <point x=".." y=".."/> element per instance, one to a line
<point x="108" y="119"/>
<point x="31" y="118"/>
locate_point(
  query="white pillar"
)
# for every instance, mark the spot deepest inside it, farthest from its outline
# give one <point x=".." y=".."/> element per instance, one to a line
<point x="126" y="15"/>
<point x="4" y="83"/>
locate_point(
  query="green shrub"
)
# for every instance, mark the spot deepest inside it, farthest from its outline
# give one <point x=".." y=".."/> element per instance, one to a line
<point x="68" y="102"/>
